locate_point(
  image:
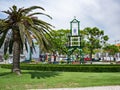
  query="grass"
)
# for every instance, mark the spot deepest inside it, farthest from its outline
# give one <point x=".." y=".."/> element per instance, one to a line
<point x="42" y="79"/>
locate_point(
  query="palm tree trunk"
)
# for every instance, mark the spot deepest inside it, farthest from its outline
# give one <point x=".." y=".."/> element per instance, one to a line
<point x="16" y="58"/>
<point x="16" y="54"/>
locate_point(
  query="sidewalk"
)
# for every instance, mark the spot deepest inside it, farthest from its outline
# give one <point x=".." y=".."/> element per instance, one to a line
<point x="85" y="88"/>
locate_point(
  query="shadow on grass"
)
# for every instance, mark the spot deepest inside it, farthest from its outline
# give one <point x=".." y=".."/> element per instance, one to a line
<point x="42" y="74"/>
<point x="5" y="73"/>
<point x="33" y="73"/>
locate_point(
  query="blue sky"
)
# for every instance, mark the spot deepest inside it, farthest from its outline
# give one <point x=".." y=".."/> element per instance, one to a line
<point x="104" y="14"/>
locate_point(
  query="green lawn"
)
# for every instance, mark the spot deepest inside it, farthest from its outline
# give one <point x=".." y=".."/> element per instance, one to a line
<point x="42" y="79"/>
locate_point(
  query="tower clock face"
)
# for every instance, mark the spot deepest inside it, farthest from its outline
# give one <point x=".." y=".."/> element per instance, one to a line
<point x="74" y="29"/>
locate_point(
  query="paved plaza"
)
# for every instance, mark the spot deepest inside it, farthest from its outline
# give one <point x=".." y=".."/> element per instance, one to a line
<point x="86" y="88"/>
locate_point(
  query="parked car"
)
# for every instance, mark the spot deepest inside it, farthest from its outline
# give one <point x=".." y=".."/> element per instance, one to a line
<point x="93" y="59"/>
<point x="87" y="59"/>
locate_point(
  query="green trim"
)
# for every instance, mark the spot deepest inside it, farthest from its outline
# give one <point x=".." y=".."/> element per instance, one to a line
<point x="74" y="21"/>
<point x="71" y="28"/>
<point x="79" y="28"/>
<point x="71" y="49"/>
<point x="78" y="23"/>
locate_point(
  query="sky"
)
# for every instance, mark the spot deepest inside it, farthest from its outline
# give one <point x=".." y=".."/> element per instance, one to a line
<point x="104" y="14"/>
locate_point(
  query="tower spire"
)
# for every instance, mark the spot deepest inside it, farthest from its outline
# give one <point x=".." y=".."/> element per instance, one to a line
<point x="74" y="17"/>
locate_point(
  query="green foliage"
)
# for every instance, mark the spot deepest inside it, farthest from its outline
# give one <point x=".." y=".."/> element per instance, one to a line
<point x="6" y="56"/>
<point x="95" y="39"/>
<point x="34" y="79"/>
<point x="25" y="24"/>
<point x="91" y="39"/>
<point x="111" y="49"/>
<point x="69" y="68"/>
<point x="59" y="40"/>
<point x="19" y="29"/>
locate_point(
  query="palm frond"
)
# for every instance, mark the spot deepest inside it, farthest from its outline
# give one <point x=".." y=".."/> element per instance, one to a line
<point x="27" y="21"/>
<point x="26" y="46"/>
<point x="27" y="10"/>
<point x="41" y="39"/>
<point x="29" y="38"/>
<point x="21" y="46"/>
<point x="31" y="49"/>
<point x="40" y="22"/>
<point x="14" y="8"/>
<point x="37" y="35"/>
<point x="20" y="9"/>
<point x="7" y="12"/>
<point x="46" y="45"/>
<point x="22" y="30"/>
<point x="42" y="25"/>
<point x="3" y="38"/>
<point x="6" y="45"/>
<point x="33" y="46"/>
<point x="11" y="46"/>
<point x="37" y="13"/>
<point x="41" y="29"/>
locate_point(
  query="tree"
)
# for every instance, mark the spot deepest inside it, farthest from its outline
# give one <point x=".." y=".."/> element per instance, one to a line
<point x="95" y="38"/>
<point x="6" y="56"/>
<point x="23" y="25"/>
<point x="59" y="39"/>
<point x="112" y="50"/>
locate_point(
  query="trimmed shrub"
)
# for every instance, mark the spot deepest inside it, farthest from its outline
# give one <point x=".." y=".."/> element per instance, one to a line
<point x="68" y="68"/>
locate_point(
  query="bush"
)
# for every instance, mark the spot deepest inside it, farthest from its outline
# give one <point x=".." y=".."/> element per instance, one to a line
<point x="8" y="66"/>
<point x="68" y="68"/>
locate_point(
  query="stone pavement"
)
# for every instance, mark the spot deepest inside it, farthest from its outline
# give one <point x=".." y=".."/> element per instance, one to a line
<point x="85" y="88"/>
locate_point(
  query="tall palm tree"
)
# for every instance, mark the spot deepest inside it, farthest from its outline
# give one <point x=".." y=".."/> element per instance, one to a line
<point x="22" y="25"/>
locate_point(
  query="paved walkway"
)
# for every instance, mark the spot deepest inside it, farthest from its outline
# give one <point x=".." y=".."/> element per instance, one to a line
<point x="86" y="88"/>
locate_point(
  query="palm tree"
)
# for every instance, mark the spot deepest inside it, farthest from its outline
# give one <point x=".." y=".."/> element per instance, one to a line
<point x="22" y="25"/>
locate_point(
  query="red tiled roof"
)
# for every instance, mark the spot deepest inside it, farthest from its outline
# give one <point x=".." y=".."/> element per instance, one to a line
<point x="118" y="44"/>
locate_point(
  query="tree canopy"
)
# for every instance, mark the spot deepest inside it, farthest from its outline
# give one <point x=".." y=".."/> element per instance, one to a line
<point x="95" y="38"/>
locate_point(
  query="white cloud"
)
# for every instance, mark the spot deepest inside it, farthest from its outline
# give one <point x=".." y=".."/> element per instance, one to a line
<point x="103" y="14"/>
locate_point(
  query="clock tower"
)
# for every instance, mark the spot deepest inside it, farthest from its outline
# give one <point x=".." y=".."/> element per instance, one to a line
<point x="74" y="40"/>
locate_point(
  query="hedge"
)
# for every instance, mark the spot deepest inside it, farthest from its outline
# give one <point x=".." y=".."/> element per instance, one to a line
<point x="68" y="68"/>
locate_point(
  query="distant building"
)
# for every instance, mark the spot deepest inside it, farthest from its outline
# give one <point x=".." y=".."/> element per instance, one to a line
<point x="118" y="44"/>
